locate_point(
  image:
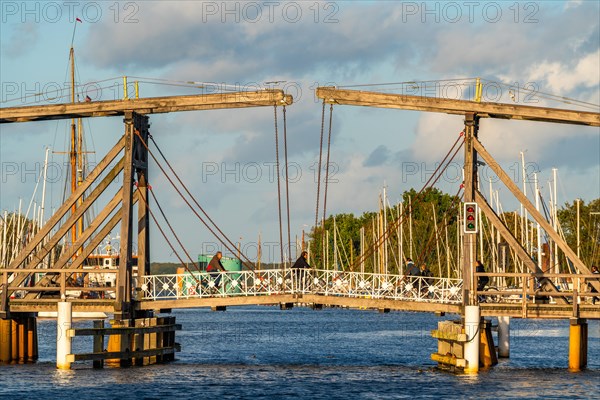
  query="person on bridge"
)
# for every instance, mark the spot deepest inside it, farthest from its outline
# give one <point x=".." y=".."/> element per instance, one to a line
<point x="214" y="268"/>
<point x="426" y="274"/>
<point x="299" y="266"/>
<point x="593" y="290"/>
<point x="482" y="281"/>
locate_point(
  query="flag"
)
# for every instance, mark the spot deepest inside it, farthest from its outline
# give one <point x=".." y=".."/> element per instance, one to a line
<point x="78" y="20"/>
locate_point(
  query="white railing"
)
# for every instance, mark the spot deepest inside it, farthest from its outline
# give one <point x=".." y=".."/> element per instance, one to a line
<point x="310" y="281"/>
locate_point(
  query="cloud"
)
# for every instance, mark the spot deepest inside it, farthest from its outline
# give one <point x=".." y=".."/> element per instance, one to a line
<point x="377" y="157"/>
<point x="565" y="77"/>
<point x="22" y="38"/>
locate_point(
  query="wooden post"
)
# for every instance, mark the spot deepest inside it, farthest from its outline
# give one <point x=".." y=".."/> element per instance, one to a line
<point x="22" y="338"/>
<point x="577" y="344"/>
<point x="140" y="161"/>
<point x="5" y="340"/>
<point x="31" y="322"/>
<point x="470" y="185"/>
<point x="98" y="344"/>
<point x="122" y="304"/>
<point x="119" y="343"/>
<point x="14" y="339"/>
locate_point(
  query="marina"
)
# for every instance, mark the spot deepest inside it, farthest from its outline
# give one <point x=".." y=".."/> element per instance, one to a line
<point x="391" y="250"/>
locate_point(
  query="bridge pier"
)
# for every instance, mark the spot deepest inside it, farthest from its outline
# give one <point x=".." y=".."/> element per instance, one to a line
<point x="63" y="340"/>
<point x="503" y="337"/>
<point x="578" y="337"/>
<point x="18" y="339"/>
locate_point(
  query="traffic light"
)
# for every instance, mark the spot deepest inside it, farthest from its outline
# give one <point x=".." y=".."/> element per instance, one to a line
<point x="471" y="222"/>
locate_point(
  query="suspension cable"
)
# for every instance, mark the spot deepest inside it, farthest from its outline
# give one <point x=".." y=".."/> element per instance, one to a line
<point x="278" y="184"/>
<point x="327" y="165"/>
<point x="319" y="167"/>
<point x="429" y="246"/>
<point x="248" y="264"/>
<point x="400" y="218"/>
<point x="172" y="230"/>
<point x="165" y="236"/>
<point x="287" y="181"/>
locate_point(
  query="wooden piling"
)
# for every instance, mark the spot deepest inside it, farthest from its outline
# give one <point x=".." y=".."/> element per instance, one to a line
<point x="5" y="340"/>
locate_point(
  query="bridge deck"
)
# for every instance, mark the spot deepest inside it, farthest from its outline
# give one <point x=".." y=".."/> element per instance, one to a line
<point x="321" y="287"/>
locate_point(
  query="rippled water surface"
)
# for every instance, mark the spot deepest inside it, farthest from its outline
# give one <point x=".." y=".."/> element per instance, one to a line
<point x="262" y="352"/>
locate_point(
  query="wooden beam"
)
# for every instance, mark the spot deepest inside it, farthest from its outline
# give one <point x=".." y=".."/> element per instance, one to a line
<point x="152" y="105"/>
<point x="449" y="106"/>
<point x="124" y="277"/>
<point x="63" y="209"/>
<point x="514" y="243"/>
<point x="71" y="251"/>
<point x="64" y="228"/>
<point x="539" y="218"/>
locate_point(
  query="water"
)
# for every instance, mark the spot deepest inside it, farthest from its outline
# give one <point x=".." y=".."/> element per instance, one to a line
<point x="264" y="353"/>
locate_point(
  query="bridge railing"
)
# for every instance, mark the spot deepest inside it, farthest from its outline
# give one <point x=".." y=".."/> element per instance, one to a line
<point x="301" y="281"/>
<point x="575" y="288"/>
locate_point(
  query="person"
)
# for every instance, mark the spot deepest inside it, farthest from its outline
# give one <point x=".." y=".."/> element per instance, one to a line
<point x="300" y="265"/>
<point x="410" y="265"/>
<point x="593" y="290"/>
<point x="214" y="268"/>
<point x="482" y="281"/>
<point x="426" y="273"/>
<point x="413" y="272"/>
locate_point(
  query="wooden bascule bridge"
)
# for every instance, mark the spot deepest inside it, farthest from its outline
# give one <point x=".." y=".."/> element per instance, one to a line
<point x="139" y="335"/>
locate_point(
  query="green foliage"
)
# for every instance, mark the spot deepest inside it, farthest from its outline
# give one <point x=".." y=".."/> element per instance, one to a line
<point x="423" y="234"/>
<point x="589" y="229"/>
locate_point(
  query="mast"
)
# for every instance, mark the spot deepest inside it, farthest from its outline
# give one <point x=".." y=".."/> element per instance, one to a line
<point x="73" y="150"/>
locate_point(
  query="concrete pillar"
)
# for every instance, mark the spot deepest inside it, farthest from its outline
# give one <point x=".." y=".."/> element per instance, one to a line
<point x="5" y="340"/>
<point x="504" y="337"/>
<point x="577" y="344"/>
<point x="472" y="322"/>
<point x="63" y="341"/>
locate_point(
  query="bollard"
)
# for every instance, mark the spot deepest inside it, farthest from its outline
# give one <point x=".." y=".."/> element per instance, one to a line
<point x="472" y="322"/>
<point x="504" y="337"/>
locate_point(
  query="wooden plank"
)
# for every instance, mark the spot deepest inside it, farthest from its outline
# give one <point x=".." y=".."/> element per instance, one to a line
<point x="121" y="355"/>
<point x="152" y="105"/>
<point x="449" y="360"/>
<point x="539" y="218"/>
<point x="66" y="207"/>
<point x="451" y="336"/>
<point x="123" y="330"/>
<point x="448" y="106"/>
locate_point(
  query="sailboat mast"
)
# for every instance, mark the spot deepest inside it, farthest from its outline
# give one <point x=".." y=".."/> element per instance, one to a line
<point x="73" y="152"/>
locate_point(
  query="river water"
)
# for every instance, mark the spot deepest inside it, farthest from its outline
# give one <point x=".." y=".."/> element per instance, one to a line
<point x="265" y="353"/>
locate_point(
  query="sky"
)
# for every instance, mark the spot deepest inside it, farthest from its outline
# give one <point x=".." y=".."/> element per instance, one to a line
<point x="531" y="53"/>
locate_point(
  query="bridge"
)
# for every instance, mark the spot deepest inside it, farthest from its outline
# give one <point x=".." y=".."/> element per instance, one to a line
<point x="136" y="298"/>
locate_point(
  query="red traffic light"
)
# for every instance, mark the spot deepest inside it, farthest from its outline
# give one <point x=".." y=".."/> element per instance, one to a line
<point x="470" y="209"/>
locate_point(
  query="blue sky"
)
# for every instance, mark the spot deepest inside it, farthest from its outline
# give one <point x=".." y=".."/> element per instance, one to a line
<point x="226" y="157"/>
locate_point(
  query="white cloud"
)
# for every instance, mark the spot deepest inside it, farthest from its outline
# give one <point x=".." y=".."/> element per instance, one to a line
<point x="562" y="77"/>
